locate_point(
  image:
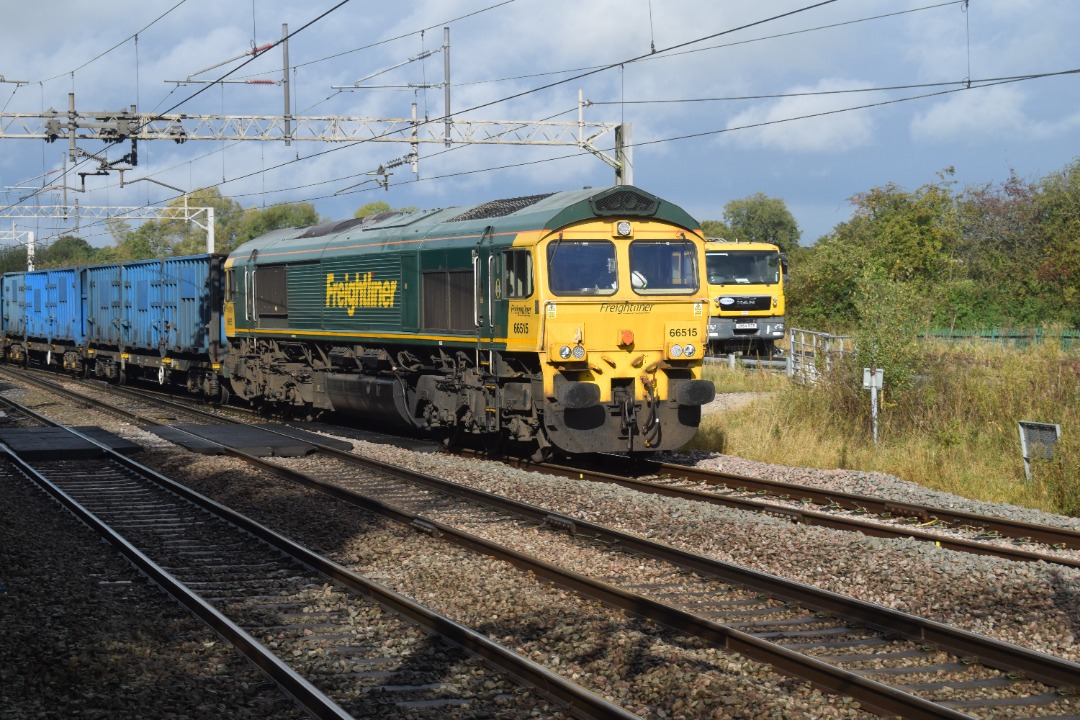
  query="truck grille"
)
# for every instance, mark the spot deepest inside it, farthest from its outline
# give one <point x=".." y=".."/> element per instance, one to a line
<point x="745" y="302"/>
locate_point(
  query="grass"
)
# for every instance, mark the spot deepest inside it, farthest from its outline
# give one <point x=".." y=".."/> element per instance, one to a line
<point x="955" y="429"/>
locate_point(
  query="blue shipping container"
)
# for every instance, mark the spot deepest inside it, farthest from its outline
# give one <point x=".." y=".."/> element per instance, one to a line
<point x="169" y="306"/>
<point x="13" y="310"/>
<point x="54" y="307"/>
<point x="103" y="305"/>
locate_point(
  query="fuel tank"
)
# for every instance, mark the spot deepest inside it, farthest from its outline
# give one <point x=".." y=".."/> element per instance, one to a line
<point x="385" y="399"/>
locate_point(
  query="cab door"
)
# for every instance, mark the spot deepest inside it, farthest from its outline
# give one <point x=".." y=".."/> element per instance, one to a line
<point x="485" y="399"/>
<point x="484" y="275"/>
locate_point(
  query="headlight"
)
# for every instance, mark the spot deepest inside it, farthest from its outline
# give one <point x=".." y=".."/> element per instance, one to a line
<point x="676" y="351"/>
<point x="689" y="350"/>
<point x="572" y="352"/>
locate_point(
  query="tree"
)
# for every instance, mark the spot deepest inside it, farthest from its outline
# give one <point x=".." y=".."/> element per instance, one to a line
<point x="233" y="225"/>
<point x="1058" y="265"/>
<point x="168" y="238"/>
<point x="1000" y="242"/>
<point x="191" y="239"/>
<point x="253" y="222"/>
<point x="824" y="293"/>
<point x="13" y="259"/>
<point x="378" y="207"/>
<point x="152" y="240"/>
<point x="758" y="218"/>
<point x="913" y="234"/>
<point x="993" y="255"/>
<point x="894" y="236"/>
<point x="715" y="229"/>
<point x="372" y="208"/>
<point x="66" y="251"/>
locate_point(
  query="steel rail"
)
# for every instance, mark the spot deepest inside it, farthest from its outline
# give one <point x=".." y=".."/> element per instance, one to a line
<point x="95" y="402"/>
<point x="882" y="698"/>
<point x="306" y="695"/>
<point x="1054" y="537"/>
<point x="875" y="696"/>
<point x="1029" y="532"/>
<point x="617" y="469"/>
<point x="872" y="694"/>
<point x="579" y="701"/>
<point x="797" y="515"/>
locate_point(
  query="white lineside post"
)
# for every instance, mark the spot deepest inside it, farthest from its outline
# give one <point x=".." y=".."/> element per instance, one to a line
<point x="30" y="250"/>
<point x="624" y="154"/>
<point x="285" y="82"/>
<point x="873" y="378"/>
<point x="446" y="87"/>
<point x="209" y="223"/>
<point x="209" y="230"/>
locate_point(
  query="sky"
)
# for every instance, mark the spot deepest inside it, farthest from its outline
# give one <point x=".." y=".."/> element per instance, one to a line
<point x="811" y="102"/>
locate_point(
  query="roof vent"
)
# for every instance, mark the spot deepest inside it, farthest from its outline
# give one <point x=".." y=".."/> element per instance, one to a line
<point x="327" y="228"/>
<point x="499" y="208"/>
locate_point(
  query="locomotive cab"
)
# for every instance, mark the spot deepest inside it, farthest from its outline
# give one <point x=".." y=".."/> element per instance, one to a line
<point x="624" y="325"/>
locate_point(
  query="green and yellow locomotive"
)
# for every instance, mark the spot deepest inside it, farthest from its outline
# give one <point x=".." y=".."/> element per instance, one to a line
<point x="576" y="321"/>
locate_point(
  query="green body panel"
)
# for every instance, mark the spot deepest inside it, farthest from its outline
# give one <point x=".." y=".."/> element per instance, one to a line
<point x="379" y="267"/>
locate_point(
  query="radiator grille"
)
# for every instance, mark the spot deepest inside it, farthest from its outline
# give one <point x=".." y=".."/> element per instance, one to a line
<point x="499" y="208"/>
<point x="625" y="202"/>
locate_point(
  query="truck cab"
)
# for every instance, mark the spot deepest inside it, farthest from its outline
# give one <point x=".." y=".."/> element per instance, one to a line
<point x="746" y="292"/>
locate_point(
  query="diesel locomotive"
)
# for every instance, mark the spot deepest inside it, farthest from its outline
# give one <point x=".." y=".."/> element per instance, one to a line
<point x="574" y="322"/>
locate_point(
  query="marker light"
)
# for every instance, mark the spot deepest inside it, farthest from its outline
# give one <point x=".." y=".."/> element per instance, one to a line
<point x="578" y="352"/>
<point x="676" y="351"/>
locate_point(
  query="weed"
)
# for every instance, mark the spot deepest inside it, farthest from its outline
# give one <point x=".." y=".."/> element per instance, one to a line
<point x="953" y="428"/>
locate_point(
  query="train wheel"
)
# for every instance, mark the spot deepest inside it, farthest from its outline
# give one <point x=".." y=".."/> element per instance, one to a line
<point x="494" y="444"/>
<point x="455" y="434"/>
<point x="453" y="438"/>
<point x="542" y="454"/>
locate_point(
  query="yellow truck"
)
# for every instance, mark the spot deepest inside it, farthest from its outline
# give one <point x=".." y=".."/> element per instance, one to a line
<point x="746" y="290"/>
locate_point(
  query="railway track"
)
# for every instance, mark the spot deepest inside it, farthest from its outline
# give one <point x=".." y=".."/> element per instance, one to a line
<point x="893" y="663"/>
<point x="879" y="517"/>
<point x="954" y="530"/>
<point x="319" y="631"/>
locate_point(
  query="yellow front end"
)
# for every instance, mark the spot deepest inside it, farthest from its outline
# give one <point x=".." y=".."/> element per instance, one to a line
<point x="623" y="316"/>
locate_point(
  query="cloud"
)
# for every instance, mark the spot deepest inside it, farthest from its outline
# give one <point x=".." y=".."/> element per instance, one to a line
<point x="972" y="115"/>
<point x="764" y="126"/>
<point x="992" y="112"/>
